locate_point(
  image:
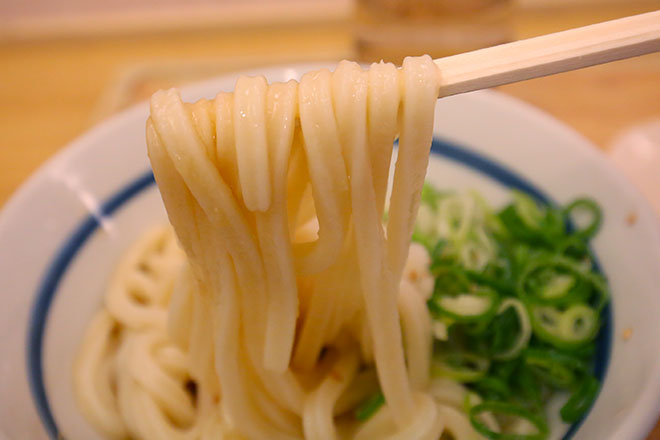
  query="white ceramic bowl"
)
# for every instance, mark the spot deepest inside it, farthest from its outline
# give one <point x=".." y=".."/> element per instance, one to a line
<point x="62" y="233"/>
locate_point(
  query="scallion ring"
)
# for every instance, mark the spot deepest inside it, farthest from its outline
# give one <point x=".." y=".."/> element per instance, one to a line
<point x="554" y="368"/>
<point x="527" y="209"/>
<point x="581" y="400"/>
<point x="555" y="280"/>
<point x="569" y="329"/>
<point x="511" y="410"/>
<point x="525" y="333"/>
<point x="595" y="212"/>
<point x="558" y="286"/>
<point x="460" y="366"/>
<point x="468" y="307"/>
<point x="578" y="323"/>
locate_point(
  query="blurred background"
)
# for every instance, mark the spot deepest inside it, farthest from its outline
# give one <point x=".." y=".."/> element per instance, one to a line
<point x="67" y="64"/>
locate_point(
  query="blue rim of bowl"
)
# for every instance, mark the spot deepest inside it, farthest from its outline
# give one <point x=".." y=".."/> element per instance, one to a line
<point x="50" y="282"/>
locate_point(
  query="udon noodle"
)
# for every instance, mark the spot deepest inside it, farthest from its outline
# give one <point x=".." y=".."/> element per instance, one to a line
<point x="292" y="301"/>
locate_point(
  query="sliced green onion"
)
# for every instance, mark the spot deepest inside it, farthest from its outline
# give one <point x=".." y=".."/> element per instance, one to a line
<point x="502" y="277"/>
<point x="545" y="322"/>
<point x="555" y="280"/>
<point x="438" y="250"/>
<point x="460" y="366"/>
<point x="511" y="410"/>
<point x="585" y="351"/>
<point x="530" y="387"/>
<point x="581" y="400"/>
<point x="487" y="212"/>
<point x="555" y="368"/>
<point x="578" y="323"/>
<point x="501" y="332"/>
<point x="570" y="329"/>
<point x="524" y="334"/>
<point x="369" y="407"/>
<point x="526" y="221"/>
<point x="492" y="387"/>
<point x="603" y="291"/>
<point x="504" y="369"/>
<point x="499" y="284"/>
<point x="527" y="209"/>
<point x="450" y="279"/>
<point x="553" y="227"/>
<point x="558" y="286"/>
<point x="468" y="307"/>
<point x="594" y="211"/>
<point x="514" y="227"/>
<point x="455" y="215"/>
<point x="475" y="256"/>
<point x="575" y="247"/>
<point x="566" y="358"/>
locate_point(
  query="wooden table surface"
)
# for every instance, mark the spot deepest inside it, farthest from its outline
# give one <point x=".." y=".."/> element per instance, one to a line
<point x="52" y="91"/>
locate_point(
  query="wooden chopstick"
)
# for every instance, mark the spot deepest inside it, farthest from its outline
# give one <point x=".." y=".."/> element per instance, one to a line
<point x="548" y="54"/>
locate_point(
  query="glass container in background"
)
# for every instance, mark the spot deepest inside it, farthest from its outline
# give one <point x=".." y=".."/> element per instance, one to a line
<point x="392" y="29"/>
